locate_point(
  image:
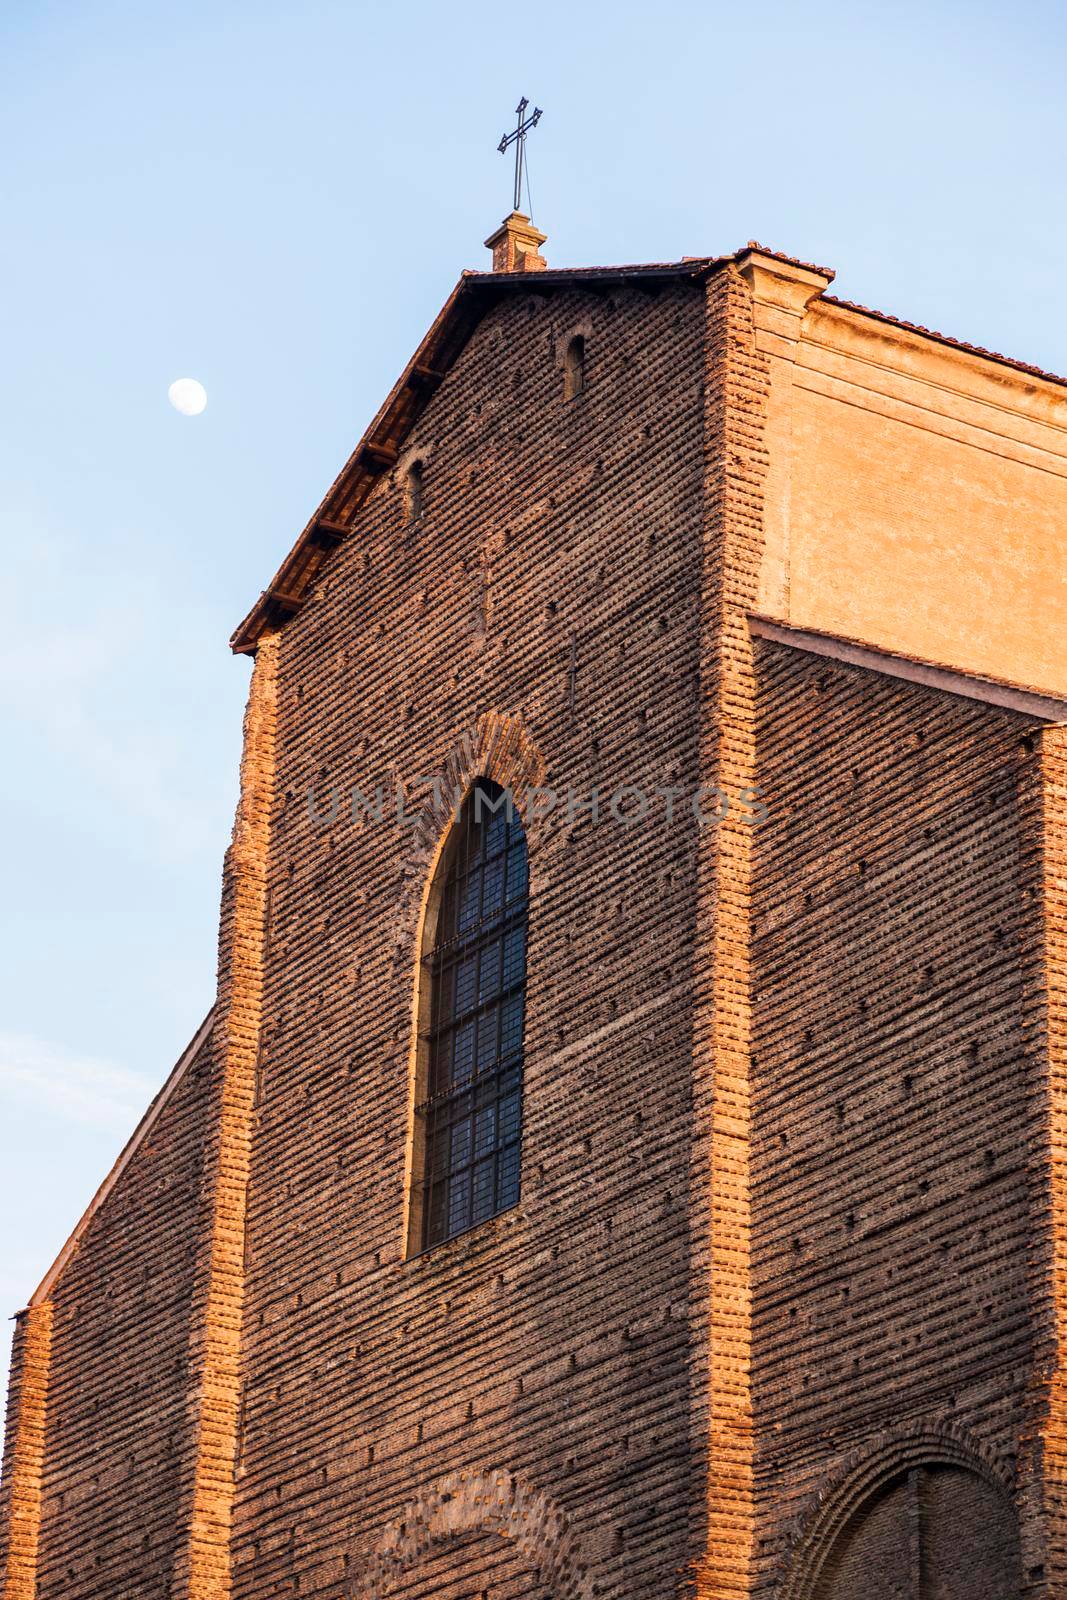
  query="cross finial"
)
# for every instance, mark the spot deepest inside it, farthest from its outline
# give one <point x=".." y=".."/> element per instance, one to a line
<point x="517" y="137"/>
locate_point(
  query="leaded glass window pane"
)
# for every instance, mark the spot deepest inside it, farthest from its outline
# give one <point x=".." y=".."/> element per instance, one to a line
<point x="471" y="1119"/>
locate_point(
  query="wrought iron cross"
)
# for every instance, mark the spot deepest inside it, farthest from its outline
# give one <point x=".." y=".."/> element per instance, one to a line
<point x="518" y="138"/>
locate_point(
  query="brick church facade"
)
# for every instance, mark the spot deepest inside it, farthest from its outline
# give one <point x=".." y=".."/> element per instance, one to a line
<point x="735" y="1263"/>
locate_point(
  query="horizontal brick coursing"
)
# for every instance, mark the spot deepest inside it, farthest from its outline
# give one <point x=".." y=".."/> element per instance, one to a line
<point x="893" y="1110"/>
<point x="556" y="1342"/>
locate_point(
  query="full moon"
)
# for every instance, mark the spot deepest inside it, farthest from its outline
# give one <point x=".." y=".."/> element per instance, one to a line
<point x="187" y="396"/>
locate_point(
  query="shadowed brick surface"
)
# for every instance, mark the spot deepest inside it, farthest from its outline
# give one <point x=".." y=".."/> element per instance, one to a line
<point x="893" y="1091"/>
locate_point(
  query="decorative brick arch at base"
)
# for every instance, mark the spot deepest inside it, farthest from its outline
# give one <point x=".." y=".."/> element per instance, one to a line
<point x="862" y="1474"/>
<point x="497" y="747"/>
<point x="488" y="1501"/>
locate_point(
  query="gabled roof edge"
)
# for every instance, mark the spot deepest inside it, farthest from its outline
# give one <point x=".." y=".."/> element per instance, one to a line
<point x="378" y="449"/>
<point x="374" y="453"/>
<point x="475" y="293"/>
<point x="133" y="1144"/>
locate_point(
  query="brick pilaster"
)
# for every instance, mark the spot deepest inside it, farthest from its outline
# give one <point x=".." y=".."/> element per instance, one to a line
<point x="203" y="1565"/>
<point x="1044" y="1485"/>
<point x="20" y="1507"/>
<point x="735" y="465"/>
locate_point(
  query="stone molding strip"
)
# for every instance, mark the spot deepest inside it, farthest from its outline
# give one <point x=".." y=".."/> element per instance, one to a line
<point x="992" y="691"/>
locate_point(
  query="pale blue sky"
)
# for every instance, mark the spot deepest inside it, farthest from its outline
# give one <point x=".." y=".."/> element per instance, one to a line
<point x="276" y="200"/>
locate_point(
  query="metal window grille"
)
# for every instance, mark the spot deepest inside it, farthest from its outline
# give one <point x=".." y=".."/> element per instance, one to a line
<point x="472" y="1116"/>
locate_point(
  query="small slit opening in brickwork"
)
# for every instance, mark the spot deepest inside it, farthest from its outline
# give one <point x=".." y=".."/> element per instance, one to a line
<point x="574" y="368"/>
<point x="468" y="1109"/>
<point x="413" y="492"/>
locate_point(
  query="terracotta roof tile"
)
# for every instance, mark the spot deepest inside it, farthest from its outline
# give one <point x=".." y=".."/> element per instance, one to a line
<point x="780" y="255"/>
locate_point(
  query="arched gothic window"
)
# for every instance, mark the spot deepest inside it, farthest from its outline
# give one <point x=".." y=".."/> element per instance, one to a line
<point x="469" y="1121"/>
<point x="574" y="368"/>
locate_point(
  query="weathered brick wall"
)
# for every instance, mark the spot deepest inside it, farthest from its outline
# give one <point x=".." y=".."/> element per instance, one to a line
<point x="558" y="1341"/>
<point x="933" y="1532"/>
<point x="894" y="1084"/>
<point x="113" y="1495"/>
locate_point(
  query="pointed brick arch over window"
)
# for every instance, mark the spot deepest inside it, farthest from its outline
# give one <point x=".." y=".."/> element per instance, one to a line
<point x="924" y="1514"/>
<point x="468" y="1113"/>
<point x="490" y="1500"/>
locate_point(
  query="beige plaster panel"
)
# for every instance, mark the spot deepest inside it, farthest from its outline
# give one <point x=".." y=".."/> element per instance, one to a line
<point x="917" y="498"/>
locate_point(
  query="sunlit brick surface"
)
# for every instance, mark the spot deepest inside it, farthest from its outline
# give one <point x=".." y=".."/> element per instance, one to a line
<point x="781" y="1307"/>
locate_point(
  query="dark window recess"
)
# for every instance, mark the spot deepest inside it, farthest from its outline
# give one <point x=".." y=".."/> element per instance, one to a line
<point x="574" y="368"/>
<point x="413" y="488"/>
<point x="472" y="1116"/>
